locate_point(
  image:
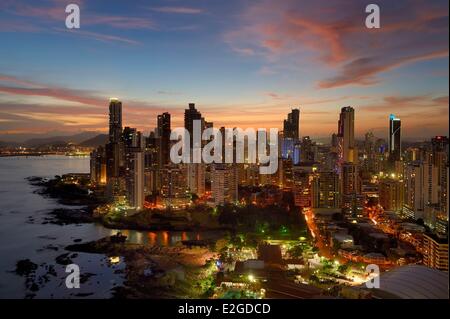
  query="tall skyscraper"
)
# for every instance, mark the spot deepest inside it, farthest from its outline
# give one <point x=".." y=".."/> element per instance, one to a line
<point x="369" y="157"/>
<point x="115" y="120"/>
<point x="134" y="167"/>
<point x="352" y="201"/>
<point x="191" y="114"/>
<point x="394" y="138"/>
<point x="291" y="126"/>
<point x="195" y="171"/>
<point x="115" y="149"/>
<point x="163" y="134"/>
<point x="346" y="133"/>
<point x="291" y="135"/>
<point x="440" y="153"/>
<point x="421" y="188"/>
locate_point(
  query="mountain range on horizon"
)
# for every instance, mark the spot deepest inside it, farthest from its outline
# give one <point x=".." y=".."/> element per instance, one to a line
<point x="86" y="139"/>
<point x="95" y="139"/>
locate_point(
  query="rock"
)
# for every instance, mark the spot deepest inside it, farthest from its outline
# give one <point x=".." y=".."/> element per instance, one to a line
<point x="25" y="267"/>
<point x="85" y="276"/>
<point x="63" y="259"/>
<point x="34" y="287"/>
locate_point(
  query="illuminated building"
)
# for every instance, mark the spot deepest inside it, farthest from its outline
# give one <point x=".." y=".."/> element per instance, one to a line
<point x="301" y="180"/>
<point x="287" y="148"/>
<point x="134" y="167"/>
<point x="308" y="151"/>
<point x="391" y="195"/>
<point x="325" y="190"/>
<point x="163" y="135"/>
<point x="414" y="190"/>
<point x="291" y="126"/>
<point x="224" y="183"/>
<point x="98" y="166"/>
<point x="440" y="151"/>
<point x="352" y="201"/>
<point x="291" y="135"/>
<point x="435" y="252"/>
<point x="395" y="151"/>
<point x="115" y="151"/>
<point x="191" y="114"/>
<point x="174" y="193"/>
<point x="350" y="179"/>
<point x="152" y="180"/>
<point x="195" y="172"/>
<point x="346" y="135"/>
<point x="421" y="187"/>
<point x="248" y="174"/>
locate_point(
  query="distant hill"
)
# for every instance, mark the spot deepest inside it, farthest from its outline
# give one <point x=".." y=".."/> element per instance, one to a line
<point x="96" y="141"/>
<point x="75" y="139"/>
<point x="8" y="144"/>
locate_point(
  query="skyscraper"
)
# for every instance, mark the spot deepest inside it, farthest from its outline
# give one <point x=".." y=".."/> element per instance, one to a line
<point x="114" y="148"/>
<point x="440" y="155"/>
<point x="224" y="183"/>
<point x="391" y="195"/>
<point x="98" y="166"/>
<point x="115" y="120"/>
<point x="291" y="126"/>
<point x="308" y="151"/>
<point x="325" y="190"/>
<point x="195" y="171"/>
<point x="394" y="138"/>
<point x="352" y="201"/>
<point x="191" y="114"/>
<point x="134" y="167"/>
<point x="346" y="133"/>
<point x="163" y="134"/>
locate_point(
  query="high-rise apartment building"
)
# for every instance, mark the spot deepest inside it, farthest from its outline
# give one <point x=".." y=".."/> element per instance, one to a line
<point x="291" y="126"/>
<point x="224" y="183"/>
<point x="395" y="151"/>
<point x="163" y="131"/>
<point x="391" y="194"/>
<point x="435" y="252"/>
<point x="346" y="133"/>
<point x="325" y="190"/>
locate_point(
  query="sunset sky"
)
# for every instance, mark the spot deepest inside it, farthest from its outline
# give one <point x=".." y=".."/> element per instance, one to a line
<point x="244" y="63"/>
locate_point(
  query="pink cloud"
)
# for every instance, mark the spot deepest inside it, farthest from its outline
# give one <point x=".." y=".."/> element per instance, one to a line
<point x="362" y="71"/>
<point x="334" y="36"/>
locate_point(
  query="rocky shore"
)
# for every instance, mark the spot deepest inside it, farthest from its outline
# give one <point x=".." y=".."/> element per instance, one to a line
<point x="146" y="220"/>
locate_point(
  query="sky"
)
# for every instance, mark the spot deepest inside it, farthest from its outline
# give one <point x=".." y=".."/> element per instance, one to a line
<point x="244" y="64"/>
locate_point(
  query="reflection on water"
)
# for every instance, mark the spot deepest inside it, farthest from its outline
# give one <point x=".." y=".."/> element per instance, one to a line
<point x="164" y="238"/>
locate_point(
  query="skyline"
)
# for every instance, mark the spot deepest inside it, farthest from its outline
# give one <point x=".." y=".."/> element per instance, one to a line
<point x="242" y="63"/>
